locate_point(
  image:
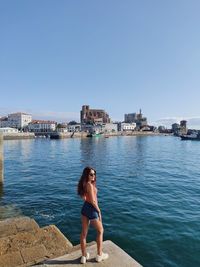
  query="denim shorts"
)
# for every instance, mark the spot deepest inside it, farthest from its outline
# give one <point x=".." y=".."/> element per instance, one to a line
<point x="89" y="211"/>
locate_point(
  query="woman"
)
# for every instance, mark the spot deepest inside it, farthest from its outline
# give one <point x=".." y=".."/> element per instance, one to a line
<point x="90" y="213"/>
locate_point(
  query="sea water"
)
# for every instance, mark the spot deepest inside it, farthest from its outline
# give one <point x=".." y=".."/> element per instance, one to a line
<point x="148" y="190"/>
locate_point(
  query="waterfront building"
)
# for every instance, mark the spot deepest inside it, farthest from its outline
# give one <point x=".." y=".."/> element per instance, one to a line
<point x="42" y="126"/>
<point x="136" y="118"/>
<point x="183" y="127"/>
<point x="91" y="116"/>
<point x="17" y="120"/>
<point x="8" y="130"/>
<point x="87" y="127"/>
<point x="161" y="129"/>
<point x="130" y="117"/>
<point x="74" y="127"/>
<point x="175" y="128"/>
<point x="109" y="127"/>
<point x="62" y="128"/>
<point x="4" y="122"/>
<point x="123" y="126"/>
<point x="180" y="129"/>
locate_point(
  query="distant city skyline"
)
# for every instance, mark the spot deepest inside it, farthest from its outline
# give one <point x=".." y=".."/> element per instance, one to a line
<point x="118" y="56"/>
<point x="192" y="122"/>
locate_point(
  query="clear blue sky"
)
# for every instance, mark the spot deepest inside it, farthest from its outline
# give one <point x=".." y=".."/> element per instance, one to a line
<point x="56" y="56"/>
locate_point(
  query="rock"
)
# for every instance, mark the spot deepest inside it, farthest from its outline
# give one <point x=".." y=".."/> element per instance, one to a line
<point x="13" y="226"/>
<point x="34" y="254"/>
<point x="54" y="241"/>
<point x="23" y="243"/>
<point x="11" y="260"/>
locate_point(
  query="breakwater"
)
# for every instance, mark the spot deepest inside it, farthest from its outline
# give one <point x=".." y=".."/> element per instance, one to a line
<point x="23" y="243"/>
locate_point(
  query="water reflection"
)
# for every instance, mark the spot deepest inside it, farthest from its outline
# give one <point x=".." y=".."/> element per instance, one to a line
<point x="24" y="146"/>
<point x="140" y="146"/>
<point x="93" y="151"/>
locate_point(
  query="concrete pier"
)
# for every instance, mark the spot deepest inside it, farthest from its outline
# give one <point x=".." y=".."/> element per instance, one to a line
<point x="1" y="159"/>
<point x="117" y="258"/>
<point x="23" y="243"/>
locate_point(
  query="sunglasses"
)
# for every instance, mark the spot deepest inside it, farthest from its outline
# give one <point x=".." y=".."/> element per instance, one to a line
<point x="92" y="174"/>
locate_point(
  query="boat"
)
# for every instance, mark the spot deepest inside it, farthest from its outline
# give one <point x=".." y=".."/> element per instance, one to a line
<point x="94" y="133"/>
<point x="194" y="137"/>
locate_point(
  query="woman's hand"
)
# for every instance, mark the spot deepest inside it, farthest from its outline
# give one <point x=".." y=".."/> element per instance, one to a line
<point x="100" y="218"/>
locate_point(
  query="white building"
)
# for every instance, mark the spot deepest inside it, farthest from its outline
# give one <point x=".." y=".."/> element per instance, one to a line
<point x="8" y="130"/>
<point x="74" y="128"/>
<point x="42" y="126"/>
<point x="62" y="128"/>
<point x="127" y="126"/>
<point x="110" y="127"/>
<point x="17" y="120"/>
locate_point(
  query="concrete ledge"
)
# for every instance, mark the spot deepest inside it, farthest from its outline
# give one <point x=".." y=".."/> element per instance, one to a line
<point x="117" y="258"/>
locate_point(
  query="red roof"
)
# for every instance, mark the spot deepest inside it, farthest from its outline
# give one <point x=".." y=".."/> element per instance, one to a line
<point x="19" y="113"/>
<point x="43" y="122"/>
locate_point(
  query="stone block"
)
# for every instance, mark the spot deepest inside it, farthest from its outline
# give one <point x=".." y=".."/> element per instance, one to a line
<point x="7" y="228"/>
<point x="22" y="236"/>
<point x="4" y="246"/>
<point x="17" y="242"/>
<point x="33" y="255"/>
<point x="12" y="226"/>
<point x="54" y="241"/>
<point x="26" y="224"/>
<point x="11" y="260"/>
<point x="22" y="240"/>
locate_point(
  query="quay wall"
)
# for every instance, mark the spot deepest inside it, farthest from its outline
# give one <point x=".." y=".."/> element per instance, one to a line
<point x="14" y="136"/>
<point x="132" y="133"/>
<point x="127" y="133"/>
<point x="72" y="135"/>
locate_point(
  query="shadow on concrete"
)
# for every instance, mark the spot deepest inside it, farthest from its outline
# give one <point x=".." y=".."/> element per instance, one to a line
<point x="66" y="262"/>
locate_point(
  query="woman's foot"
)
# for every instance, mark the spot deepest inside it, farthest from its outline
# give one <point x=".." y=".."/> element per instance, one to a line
<point x="85" y="258"/>
<point x="102" y="257"/>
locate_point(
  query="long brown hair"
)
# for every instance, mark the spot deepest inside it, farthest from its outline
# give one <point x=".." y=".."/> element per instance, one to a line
<point x="83" y="181"/>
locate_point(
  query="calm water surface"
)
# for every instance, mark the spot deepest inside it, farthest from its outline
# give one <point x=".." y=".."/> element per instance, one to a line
<point x="149" y="192"/>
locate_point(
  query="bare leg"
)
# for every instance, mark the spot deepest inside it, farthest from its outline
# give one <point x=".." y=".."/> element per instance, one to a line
<point x="85" y="224"/>
<point x="97" y="224"/>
